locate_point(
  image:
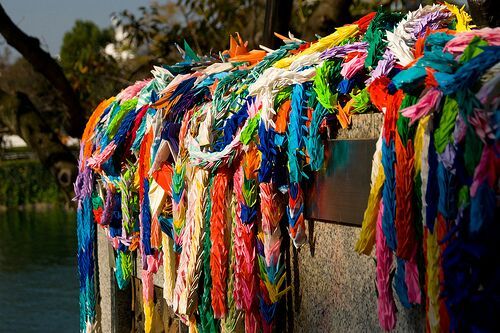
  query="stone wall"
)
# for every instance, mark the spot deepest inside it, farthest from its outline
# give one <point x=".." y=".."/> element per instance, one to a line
<point x="337" y="287"/>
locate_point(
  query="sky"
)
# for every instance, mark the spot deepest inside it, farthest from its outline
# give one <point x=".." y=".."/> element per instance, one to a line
<point x="48" y="20"/>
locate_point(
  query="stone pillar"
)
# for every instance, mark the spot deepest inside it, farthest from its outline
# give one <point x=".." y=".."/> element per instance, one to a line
<point x="115" y="306"/>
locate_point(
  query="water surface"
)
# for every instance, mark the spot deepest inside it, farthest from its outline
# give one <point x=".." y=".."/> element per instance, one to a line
<point x="38" y="273"/>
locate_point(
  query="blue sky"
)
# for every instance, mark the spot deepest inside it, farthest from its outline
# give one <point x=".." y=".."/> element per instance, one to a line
<point x="48" y="20"/>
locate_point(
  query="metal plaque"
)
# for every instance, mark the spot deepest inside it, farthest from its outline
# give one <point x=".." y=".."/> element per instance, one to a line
<point x="339" y="192"/>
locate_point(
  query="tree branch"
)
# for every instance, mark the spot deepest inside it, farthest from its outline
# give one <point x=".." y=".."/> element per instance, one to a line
<point x="19" y="114"/>
<point x="30" y="49"/>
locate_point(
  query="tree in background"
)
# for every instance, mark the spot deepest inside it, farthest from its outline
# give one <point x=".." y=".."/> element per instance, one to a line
<point x="21" y="116"/>
<point x="206" y="24"/>
<point x="20" y="76"/>
<point x="152" y="34"/>
<point x="93" y="74"/>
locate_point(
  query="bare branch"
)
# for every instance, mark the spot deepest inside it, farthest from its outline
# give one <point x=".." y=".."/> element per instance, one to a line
<point x="19" y="114"/>
<point x="30" y="49"/>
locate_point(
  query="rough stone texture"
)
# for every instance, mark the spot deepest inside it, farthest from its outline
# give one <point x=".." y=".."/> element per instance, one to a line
<point x="163" y="318"/>
<point x="363" y="126"/>
<point x="105" y="288"/>
<point x="114" y="305"/>
<point x="337" y="287"/>
<point x="157" y="278"/>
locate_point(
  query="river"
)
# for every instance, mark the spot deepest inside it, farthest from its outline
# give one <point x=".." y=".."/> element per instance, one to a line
<point x="38" y="272"/>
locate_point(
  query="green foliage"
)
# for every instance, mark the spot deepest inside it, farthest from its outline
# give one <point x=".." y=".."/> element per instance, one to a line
<point x="86" y="64"/>
<point x="82" y="43"/>
<point x="26" y="182"/>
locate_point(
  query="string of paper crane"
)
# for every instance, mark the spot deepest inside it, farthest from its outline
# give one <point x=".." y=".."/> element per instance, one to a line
<point x="200" y="170"/>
